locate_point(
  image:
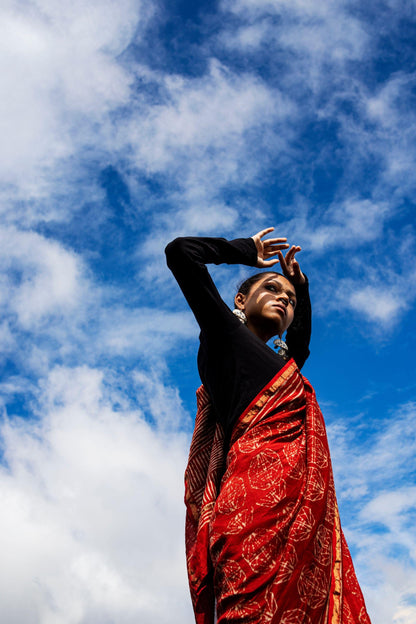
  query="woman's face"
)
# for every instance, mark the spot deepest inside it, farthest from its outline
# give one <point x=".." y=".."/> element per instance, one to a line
<point x="269" y="305"/>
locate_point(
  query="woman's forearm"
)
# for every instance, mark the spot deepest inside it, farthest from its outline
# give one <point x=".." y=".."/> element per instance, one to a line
<point x="299" y="333"/>
<point x="187" y="257"/>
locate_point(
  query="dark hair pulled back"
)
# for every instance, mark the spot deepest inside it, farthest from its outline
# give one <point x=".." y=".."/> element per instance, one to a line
<point x="245" y="286"/>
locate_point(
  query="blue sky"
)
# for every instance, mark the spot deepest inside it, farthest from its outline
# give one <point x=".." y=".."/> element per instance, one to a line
<point x="127" y="124"/>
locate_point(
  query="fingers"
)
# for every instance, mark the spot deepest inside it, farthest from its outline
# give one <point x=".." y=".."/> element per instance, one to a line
<point x="263" y="232"/>
<point x="270" y="247"/>
<point x="290" y="267"/>
<point x="296" y="269"/>
<point x="282" y="261"/>
<point x="271" y="250"/>
<point x="262" y="264"/>
<point x="291" y="253"/>
<point x="273" y="245"/>
<point x="276" y="243"/>
<point x="298" y="276"/>
<point x="272" y="241"/>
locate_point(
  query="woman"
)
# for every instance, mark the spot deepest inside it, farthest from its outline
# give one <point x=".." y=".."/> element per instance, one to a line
<point x="263" y="537"/>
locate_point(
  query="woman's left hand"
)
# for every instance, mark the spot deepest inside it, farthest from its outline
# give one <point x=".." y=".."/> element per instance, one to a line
<point x="290" y="267"/>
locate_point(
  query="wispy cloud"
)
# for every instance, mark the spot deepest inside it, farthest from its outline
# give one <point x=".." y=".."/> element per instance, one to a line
<point x="377" y="287"/>
<point x="202" y="138"/>
<point x="317" y="35"/>
<point x="61" y="79"/>
<point x="380" y="472"/>
<point x="350" y="224"/>
<point x="44" y="278"/>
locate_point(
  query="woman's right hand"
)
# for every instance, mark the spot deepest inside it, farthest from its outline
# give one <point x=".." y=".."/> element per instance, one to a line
<point x="290" y="266"/>
<point x="266" y="249"/>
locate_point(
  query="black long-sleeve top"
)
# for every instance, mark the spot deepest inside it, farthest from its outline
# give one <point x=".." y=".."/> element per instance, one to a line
<point x="233" y="363"/>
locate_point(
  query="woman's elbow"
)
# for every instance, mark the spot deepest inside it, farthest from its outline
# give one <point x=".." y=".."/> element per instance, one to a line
<point x="176" y="250"/>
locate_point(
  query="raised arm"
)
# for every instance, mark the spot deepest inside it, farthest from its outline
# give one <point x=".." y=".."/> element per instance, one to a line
<point x="299" y="333"/>
<point x="187" y="257"/>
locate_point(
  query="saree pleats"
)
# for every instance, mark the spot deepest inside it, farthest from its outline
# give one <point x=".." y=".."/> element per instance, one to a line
<point x="263" y="539"/>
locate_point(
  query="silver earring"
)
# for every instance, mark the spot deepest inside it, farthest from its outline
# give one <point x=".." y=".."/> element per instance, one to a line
<point x="282" y="348"/>
<point x="240" y="315"/>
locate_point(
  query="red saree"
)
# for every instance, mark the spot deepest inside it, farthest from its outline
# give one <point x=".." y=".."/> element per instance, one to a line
<point x="264" y="542"/>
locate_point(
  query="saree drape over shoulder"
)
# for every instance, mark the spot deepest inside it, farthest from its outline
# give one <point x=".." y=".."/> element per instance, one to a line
<point x="263" y="539"/>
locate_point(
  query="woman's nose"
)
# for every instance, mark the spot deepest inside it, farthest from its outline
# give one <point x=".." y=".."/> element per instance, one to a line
<point x="283" y="297"/>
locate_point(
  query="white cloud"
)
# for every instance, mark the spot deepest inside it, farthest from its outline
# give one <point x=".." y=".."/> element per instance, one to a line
<point x="209" y="132"/>
<point x="146" y="331"/>
<point x="44" y="278"/>
<point x="248" y="37"/>
<point x="389" y="509"/>
<point x="349" y="223"/>
<point x="315" y="44"/>
<point x="93" y="513"/>
<point x="378" y="296"/>
<point x="54" y="311"/>
<point x="60" y="77"/>
<point x="52" y="308"/>
<point x="390" y="99"/>
<point x="378" y="304"/>
<point x="7" y="340"/>
<point x="305" y="7"/>
<point x="68" y="64"/>
<point x="377" y="129"/>
<point x="378" y="503"/>
<point x="391" y="111"/>
<point x="200" y="133"/>
<point x="323" y="33"/>
<point x="199" y="218"/>
<point x="378" y="287"/>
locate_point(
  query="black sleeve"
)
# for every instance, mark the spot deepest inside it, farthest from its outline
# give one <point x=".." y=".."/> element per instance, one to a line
<point x="299" y="333"/>
<point x="187" y="257"/>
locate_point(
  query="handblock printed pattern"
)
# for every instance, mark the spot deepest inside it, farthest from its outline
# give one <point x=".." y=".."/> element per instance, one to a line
<point x="269" y="547"/>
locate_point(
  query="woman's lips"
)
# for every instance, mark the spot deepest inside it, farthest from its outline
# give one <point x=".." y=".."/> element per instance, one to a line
<point x="280" y="307"/>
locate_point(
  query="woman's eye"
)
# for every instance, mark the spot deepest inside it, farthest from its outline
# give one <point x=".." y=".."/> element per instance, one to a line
<point x="292" y="303"/>
<point x="271" y="287"/>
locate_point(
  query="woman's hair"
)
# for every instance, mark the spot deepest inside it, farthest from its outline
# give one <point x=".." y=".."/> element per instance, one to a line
<point x="245" y="286"/>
